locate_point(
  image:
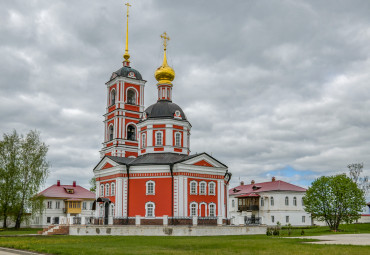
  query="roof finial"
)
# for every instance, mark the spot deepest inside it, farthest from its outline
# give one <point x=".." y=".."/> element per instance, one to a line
<point x="164" y="74"/>
<point x="126" y="56"/>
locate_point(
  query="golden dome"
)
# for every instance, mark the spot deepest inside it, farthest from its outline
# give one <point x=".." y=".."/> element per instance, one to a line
<point x="164" y="74"/>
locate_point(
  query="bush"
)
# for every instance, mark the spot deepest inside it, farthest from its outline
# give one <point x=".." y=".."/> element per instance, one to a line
<point x="269" y="231"/>
<point x="302" y="232"/>
<point x="276" y="232"/>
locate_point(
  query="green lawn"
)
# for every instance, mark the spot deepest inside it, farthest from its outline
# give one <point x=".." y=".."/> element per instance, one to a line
<point x="257" y="244"/>
<point x="314" y="231"/>
<point x="22" y="231"/>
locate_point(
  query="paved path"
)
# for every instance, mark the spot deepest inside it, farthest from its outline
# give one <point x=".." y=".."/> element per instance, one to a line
<point x="7" y="251"/>
<point x="353" y="239"/>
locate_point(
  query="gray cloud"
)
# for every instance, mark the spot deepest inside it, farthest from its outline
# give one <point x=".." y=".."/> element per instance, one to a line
<point x="265" y="84"/>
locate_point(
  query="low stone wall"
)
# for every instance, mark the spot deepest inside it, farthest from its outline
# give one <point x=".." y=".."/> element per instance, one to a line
<point x="166" y="231"/>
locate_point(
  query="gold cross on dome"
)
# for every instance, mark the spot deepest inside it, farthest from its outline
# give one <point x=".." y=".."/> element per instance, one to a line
<point x="128" y="5"/>
<point x="165" y="39"/>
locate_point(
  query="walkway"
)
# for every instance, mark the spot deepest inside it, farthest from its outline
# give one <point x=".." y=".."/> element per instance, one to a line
<point x="352" y="239"/>
<point x="7" y="251"/>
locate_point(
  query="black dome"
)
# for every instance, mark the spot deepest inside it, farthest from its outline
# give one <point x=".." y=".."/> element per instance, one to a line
<point x="163" y="109"/>
<point x="125" y="71"/>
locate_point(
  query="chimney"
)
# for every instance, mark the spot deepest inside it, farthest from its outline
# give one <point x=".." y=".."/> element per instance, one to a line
<point x="252" y="182"/>
<point x="74" y="183"/>
<point x="241" y="183"/>
<point x="58" y="182"/>
<point x="273" y="178"/>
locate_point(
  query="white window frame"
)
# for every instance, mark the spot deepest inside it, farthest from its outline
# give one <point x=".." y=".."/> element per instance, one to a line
<point x="196" y="188"/>
<point x="303" y="219"/>
<point x="191" y="209"/>
<point x="204" y="184"/>
<point x="113" y="189"/>
<point x="287" y="201"/>
<point x="107" y="189"/>
<point x="295" y="201"/>
<point x="272" y="202"/>
<point x="84" y="205"/>
<point x="262" y="202"/>
<point x="214" y="209"/>
<point x="57" y="205"/>
<point x="272" y="218"/>
<point x="50" y="205"/>
<point x="156" y="138"/>
<point x="136" y="95"/>
<point x="146" y="210"/>
<point x="110" y="132"/>
<point x="287" y="219"/>
<point x="102" y="190"/>
<point x="214" y="188"/>
<point x="143" y="140"/>
<point x="178" y="134"/>
<point x="147" y="187"/>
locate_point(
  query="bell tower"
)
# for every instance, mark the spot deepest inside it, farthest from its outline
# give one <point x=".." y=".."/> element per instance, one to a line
<point x="125" y="105"/>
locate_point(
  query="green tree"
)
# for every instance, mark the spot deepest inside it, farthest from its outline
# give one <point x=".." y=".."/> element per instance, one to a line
<point x="93" y="184"/>
<point x="9" y="165"/>
<point x="334" y="199"/>
<point x="23" y="170"/>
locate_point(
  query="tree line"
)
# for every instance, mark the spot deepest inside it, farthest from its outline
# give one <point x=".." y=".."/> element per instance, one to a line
<point x="23" y="170"/>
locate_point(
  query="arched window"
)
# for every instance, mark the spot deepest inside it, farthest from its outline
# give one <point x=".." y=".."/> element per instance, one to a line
<point x="178" y="139"/>
<point x="262" y="202"/>
<point x="113" y="97"/>
<point x="286" y="201"/>
<point x="272" y="201"/>
<point x="131" y="133"/>
<point x="212" y="211"/>
<point x="302" y="201"/>
<point x="112" y="189"/>
<point x="193" y="187"/>
<point x="149" y="209"/>
<point x="193" y="209"/>
<point x="158" y="140"/>
<point x="110" y="132"/>
<point x="150" y="187"/>
<point x="131" y="96"/>
<point x="202" y="188"/>
<point x="106" y="189"/>
<point x="143" y="140"/>
<point x="294" y="201"/>
<point x="112" y="209"/>
<point x="102" y="190"/>
<point x="211" y="188"/>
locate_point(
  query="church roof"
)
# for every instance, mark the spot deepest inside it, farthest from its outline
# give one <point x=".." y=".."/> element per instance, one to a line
<point x="61" y="191"/>
<point x="265" y="186"/>
<point x="156" y="159"/>
<point x="164" y="109"/>
<point x="126" y="71"/>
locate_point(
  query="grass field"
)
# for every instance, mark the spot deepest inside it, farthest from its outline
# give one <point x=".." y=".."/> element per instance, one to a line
<point x="258" y="244"/>
<point x="22" y="231"/>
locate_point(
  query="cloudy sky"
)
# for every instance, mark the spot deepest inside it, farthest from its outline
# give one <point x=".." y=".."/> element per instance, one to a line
<point x="271" y="88"/>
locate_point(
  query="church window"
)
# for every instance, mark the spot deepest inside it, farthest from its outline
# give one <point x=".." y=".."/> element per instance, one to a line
<point x="272" y="201"/>
<point x="212" y="210"/>
<point x="212" y="188"/>
<point x="107" y="190"/>
<point x="113" y="97"/>
<point x="150" y="187"/>
<point x="102" y="190"/>
<point x="286" y="201"/>
<point x="262" y="201"/>
<point x="110" y="132"/>
<point x="193" y="209"/>
<point x="113" y="189"/>
<point x="193" y="187"/>
<point x="149" y="208"/>
<point x="294" y="201"/>
<point x="178" y="139"/>
<point x="131" y="133"/>
<point x="158" y="138"/>
<point x="131" y="96"/>
<point x="143" y="140"/>
<point x="287" y="219"/>
<point x="202" y="188"/>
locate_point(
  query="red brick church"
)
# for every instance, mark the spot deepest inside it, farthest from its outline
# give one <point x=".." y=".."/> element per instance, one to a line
<point x="147" y="168"/>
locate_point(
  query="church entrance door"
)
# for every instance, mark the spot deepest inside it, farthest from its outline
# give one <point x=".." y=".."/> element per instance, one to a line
<point x="106" y="213"/>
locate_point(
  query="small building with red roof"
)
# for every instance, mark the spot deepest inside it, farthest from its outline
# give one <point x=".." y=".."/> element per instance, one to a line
<point x="64" y="202"/>
<point x="268" y="203"/>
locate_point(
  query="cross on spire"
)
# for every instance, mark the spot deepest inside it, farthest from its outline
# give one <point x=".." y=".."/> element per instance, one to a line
<point x="128" y="5"/>
<point x="165" y="39"/>
<point x="126" y="56"/>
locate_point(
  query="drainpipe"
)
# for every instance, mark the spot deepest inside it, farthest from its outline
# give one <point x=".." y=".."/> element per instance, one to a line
<point x="128" y="188"/>
<point x="171" y="170"/>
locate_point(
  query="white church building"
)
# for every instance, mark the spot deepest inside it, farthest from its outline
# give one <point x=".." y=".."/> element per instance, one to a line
<point x="268" y="203"/>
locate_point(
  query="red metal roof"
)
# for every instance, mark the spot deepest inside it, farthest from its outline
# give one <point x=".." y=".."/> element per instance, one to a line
<point x="265" y="186"/>
<point x="60" y="191"/>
